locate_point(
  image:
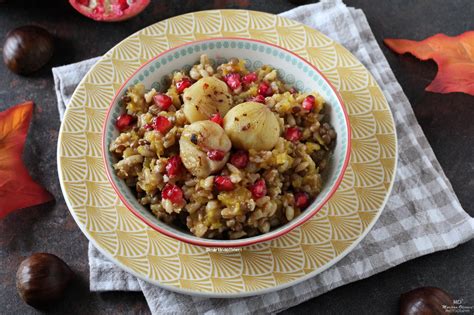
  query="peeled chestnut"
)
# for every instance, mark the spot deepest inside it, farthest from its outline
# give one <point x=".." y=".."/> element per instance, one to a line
<point x="250" y="125"/>
<point x="27" y="49"/>
<point x="425" y="300"/>
<point x="42" y="279"/>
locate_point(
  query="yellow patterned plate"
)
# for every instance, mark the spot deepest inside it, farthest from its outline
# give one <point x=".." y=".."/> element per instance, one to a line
<point x="304" y="252"/>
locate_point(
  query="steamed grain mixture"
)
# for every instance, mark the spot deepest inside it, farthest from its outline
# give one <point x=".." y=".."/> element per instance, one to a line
<point x="224" y="152"/>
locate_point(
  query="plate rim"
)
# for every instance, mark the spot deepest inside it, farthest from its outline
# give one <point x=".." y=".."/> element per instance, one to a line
<point x="239" y="294"/>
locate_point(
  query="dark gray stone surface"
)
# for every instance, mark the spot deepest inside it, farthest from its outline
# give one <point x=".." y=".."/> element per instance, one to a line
<point x="446" y="120"/>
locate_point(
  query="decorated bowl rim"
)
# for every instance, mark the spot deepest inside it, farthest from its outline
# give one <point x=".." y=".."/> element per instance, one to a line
<point x="194" y="240"/>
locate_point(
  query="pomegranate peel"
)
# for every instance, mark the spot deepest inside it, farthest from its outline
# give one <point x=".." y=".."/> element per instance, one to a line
<point x="111" y="10"/>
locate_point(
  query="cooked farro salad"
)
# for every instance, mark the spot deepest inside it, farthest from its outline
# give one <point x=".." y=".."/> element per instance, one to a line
<point x="223" y="152"/>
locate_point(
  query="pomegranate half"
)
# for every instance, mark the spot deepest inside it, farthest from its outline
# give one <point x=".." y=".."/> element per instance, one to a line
<point x="109" y="10"/>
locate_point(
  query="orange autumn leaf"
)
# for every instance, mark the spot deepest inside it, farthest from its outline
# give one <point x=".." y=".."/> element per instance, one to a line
<point x="453" y="55"/>
<point x="17" y="188"/>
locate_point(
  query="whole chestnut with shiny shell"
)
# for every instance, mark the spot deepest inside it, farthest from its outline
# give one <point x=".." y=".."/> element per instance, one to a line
<point x="27" y="49"/>
<point x="425" y="300"/>
<point x="42" y="278"/>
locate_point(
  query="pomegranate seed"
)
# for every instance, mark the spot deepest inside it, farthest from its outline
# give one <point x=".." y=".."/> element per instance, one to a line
<point x="174" y="166"/>
<point x="124" y="121"/>
<point x="258" y="99"/>
<point x="232" y="80"/>
<point x="215" y="155"/>
<point x="249" y="78"/>
<point x="308" y="102"/>
<point x="162" y="124"/>
<point x="293" y="134"/>
<point x="259" y="189"/>
<point x="183" y="84"/>
<point x="265" y="89"/>
<point x="217" y="119"/>
<point x="172" y="193"/>
<point x="301" y="199"/>
<point x="223" y="183"/>
<point x="123" y="5"/>
<point x="84" y="2"/>
<point x="148" y="127"/>
<point x="240" y="159"/>
<point x="163" y="101"/>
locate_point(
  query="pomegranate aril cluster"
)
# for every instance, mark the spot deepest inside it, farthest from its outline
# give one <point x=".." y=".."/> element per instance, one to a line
<point x="174" y="166"/>
<point x="265" y="89"/>
<point x="223" y="183"/>
<point x="173" y="193"/>
<point x="215" y="155"/>
<point x="124" y="121"/>
<point x="162" y="124"/>
<point x="293" y="134"/>
<point x="163" y="101"/>
<point x="259" y="189"/>
<point x="259" y="99"/>
<point x="249" y="78"/>
<point x="217" y="119"/>
<point x="308" y="102"/>
<point x="233" y="80"/>
<point x="183" y="84"/>
<point x="301" y="199"/>
<point x="240" y="159"/>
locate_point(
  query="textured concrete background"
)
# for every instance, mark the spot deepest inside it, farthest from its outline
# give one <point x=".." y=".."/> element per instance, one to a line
<point x="446" y="120"/>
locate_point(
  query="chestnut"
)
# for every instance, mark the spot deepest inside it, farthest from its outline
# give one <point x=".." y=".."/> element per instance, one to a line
<point x="425" y="300"/>
<point x="27" y="49"/>
<point x="42" y="279"/>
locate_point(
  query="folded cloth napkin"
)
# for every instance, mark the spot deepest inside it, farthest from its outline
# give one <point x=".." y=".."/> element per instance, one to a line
<point x="423" y="215"/>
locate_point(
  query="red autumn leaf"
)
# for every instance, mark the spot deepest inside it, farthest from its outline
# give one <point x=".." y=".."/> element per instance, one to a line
<point x="453" y="55"/>
<point x="17" y="188"/>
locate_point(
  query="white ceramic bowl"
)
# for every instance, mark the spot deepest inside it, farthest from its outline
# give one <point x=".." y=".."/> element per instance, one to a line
<point x="292" y="69"/>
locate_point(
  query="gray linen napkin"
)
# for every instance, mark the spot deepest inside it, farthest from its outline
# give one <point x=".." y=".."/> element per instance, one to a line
<point x="423" y="215"/>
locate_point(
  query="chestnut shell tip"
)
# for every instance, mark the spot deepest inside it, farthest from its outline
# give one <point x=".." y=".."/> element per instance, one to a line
<point x="425" y="300"/>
